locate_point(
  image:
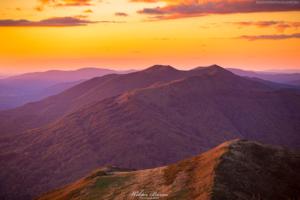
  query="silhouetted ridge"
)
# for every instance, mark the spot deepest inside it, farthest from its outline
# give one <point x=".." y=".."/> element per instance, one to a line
<point x="214" y="66"/>
<point x="160" y="68"/>
<point x="144" y="127"/>
<point x="215" y="174"/>
<point x="212" y="69"/>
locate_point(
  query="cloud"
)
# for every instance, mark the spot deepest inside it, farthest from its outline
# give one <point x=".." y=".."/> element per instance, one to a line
<point x="283" y="25"/>
<point x="113" y="22"/>
<point x="81" y="16"/>
<point x="121" y="14"/>
<point x="39" y="8"/>
<point x="264" y="24"/>
<point x="88" y="11"/>
<point x="62" y="3"/>
<point x="268" y="37"/>
<point x="51" y="22"/>
<point x="18" y="9"/>
<point x="195" y="8"/>
<point x="279" y="25"/>
<point x="204" y="27"/>
<point x="152" y="11"/>
<point x="144" y="1"/>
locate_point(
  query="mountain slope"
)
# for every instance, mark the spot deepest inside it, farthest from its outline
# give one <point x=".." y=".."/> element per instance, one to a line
<point x="279" y="78"/>
<point x="238" y="169"/>
<point x="274" y="84"/>
<point x="48" y="110"/>
<point x="6" y="90"/>
<point x="149" y="127"/>
<point x="35" y="81"/>
<point x="9" y="102"/>
<point x="295" y="82"/>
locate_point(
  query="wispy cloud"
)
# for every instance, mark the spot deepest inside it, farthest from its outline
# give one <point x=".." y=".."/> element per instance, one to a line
<point x="88" y="11"/>
<point x="62" y="3"/>
<point x="268" y="37"/>
<point x="52" y="22"/>
<point x="194" y="8"/>
<point x="280" y="26"/>
<point x="81" y="16"/>
<point x="39" y="8"/>
<point x="121" y="14"/>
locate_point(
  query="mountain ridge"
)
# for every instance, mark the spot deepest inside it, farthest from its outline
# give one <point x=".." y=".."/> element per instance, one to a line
<point x="149" y="127"/>
<point x="215" y="174"/>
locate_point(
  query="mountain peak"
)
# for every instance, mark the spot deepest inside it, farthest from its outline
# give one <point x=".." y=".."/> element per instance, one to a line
<point x="211" y="67"/>
<point x="159" y="68"/>
<point x="214" y="66"/>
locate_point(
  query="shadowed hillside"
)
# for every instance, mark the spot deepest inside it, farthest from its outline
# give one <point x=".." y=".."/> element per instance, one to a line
<point x="32" y="82"/>
<point x="36" y="114"/>
<point x="6" y="90"/>
<point x="149" y="127"/>
<point x="238" y="169"/>
<point x="295" y="82"/>
<point x="279" y="78"/>
<point x="9" y="102"/>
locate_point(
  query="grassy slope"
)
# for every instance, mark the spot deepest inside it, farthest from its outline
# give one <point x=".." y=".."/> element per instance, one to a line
<point x="48" y="110"/>
<point x="190" y="178"/>
<point x="239" y="169"/>
<point x="255" y="170"/>
<point x="147" y="128"/>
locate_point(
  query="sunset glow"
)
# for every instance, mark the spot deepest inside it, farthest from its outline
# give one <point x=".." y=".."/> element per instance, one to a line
<point x="38" y="35"/>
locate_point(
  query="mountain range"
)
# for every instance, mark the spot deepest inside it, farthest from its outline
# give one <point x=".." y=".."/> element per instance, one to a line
<point x="146" y="119"/>
<point x="32" y="82"/>
<point x="277" y="77"/>
<point x="6" y="90"/>
<point x="238" y="169"/>
<point x="295" y="82"/>
<point x="17" y="100"/>
<point x="40" y="113"/>
<point x="31" y="87"/>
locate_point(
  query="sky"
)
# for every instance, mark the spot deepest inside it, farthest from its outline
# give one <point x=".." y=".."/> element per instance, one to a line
<point x="39" y="35"/>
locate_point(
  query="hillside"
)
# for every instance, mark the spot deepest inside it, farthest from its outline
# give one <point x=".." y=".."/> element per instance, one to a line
<point x="36" y="114"/>
<point x="9" y="102"/>
<point x="238" y="169"/>
<point x="295" y="82"/>
<point x="6" y="90"/>
<point x="278" y="78"/>
<point x="148" y="127"/>
<point x="32" y="82"/>
<point x="274" y="84"/>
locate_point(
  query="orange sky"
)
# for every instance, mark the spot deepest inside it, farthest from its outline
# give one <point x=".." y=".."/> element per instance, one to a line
<point x="124" y="34"/>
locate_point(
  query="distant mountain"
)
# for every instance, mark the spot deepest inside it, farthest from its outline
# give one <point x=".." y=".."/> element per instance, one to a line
<point x="281" y="71"/>
<point x="6" y="90"/>
<point x="147" y="127"/>
<point x="32" y="82"/>
<point x="295" y="82"/>
<point x="238" y="169"/>
<point x="291" y="88"/>
<point x="274" y="84"/>
<point x="279" y="78"/>
<point x="9" y="102"/>
<point x="36" y="114"/>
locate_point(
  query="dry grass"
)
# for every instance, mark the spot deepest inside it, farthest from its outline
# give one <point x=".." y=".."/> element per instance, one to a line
<point x="188" y="179"/>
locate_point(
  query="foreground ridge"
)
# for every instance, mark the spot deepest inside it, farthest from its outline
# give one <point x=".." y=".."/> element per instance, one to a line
<point x="238" y="169"/>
